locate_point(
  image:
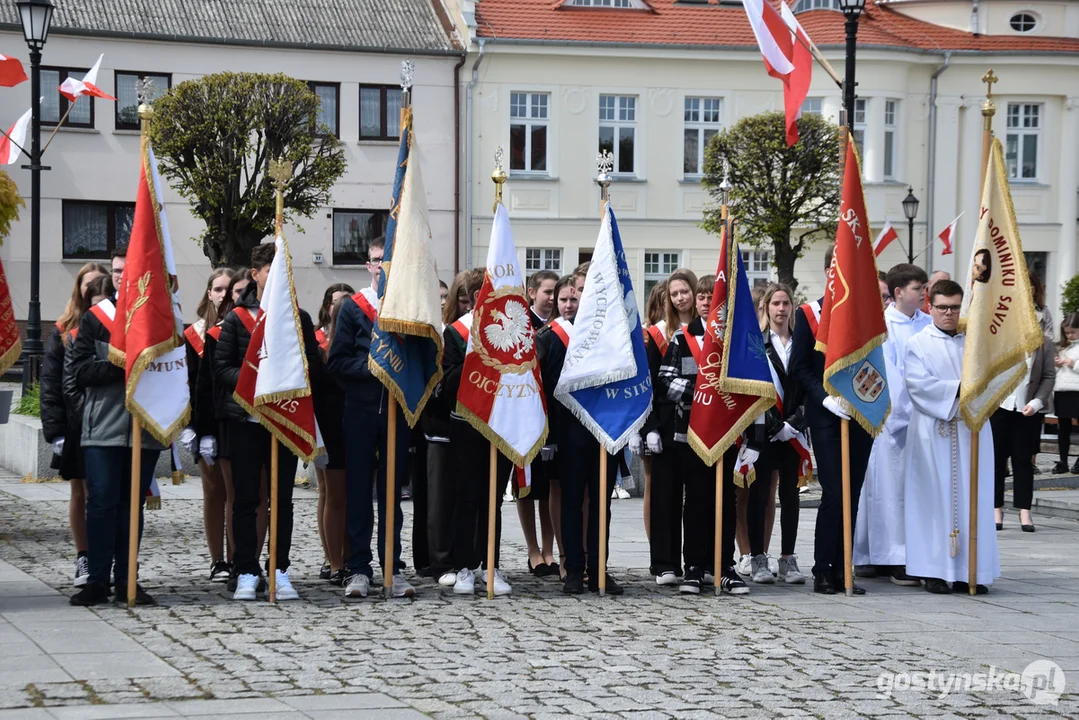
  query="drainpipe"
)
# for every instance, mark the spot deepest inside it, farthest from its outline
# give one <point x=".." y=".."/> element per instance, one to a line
<point x="974" y="17"/>
<point x="931" y="183"/>
<point x="457" y="164"/>
<point x="469" y="153"/>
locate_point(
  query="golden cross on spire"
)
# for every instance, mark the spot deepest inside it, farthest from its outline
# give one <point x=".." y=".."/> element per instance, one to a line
<point x="989" y="79"/>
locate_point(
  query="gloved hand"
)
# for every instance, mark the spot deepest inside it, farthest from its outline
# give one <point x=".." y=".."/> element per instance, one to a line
<point x="58" y="446"/>
<point x="547" y="452"/>
<point x="187" y="439"/>
<point x="746" y="457"/>
<point x="208" y="449"/>
<point x="322" y="461"/>
<point x="833" y="406"/>
<point x="655" y="445"/>
<point x="785" y="434"/>
<point x="636" y="445"/>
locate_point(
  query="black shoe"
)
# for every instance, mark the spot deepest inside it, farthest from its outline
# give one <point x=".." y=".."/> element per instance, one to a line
<point x="1000" y="526"/>
<point x="574" y="584"/>
<point x="1027" y="528"/>
<point x="732" y="584"/>
<point x="612" y="587"/>
<point x="91" y="594"/>
<point x="900" y="577"/>
<point x="1060" y="468"/>
<point x="337" y="578"/>
<point x="141" y="596"/>
<point x="840" y="584"/>
<point x="937" y="586"/>
<point x="961" y="587"/>
<point x="823" y="584"/>
<point x="220" y="571"/>
<point x="1075" y="468"/>
<point x="691" y="584"/>
<point x="553" y="569"/>
<point x="325" y="572"/>
<point x="261" y="587"/>
<point x="865" y="571"/>
<point x="425" y="571"/>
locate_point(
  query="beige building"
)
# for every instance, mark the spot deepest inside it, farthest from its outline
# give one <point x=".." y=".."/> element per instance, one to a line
<point x="654" y="79"/>
<point x="349" y="50"/>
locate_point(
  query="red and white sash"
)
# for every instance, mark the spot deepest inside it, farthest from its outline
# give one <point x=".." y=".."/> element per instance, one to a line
<point x="561" y="329"/>
<point x="656" y="333"/>
<point x="105" y="311"/>
<point x="812" y="315"/>
<point x="365" y="306"/>
<point x="192" y="335"/>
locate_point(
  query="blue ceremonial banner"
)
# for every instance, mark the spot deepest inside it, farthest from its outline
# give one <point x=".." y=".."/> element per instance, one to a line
<point x="406" y="343"/>
<point x="605" y="381"/>
<point x="745" y="367"/>
<point x="864" y="385"/>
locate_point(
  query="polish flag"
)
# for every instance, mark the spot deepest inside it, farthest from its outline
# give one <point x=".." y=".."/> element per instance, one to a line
<point x="887" y="236"/>
<point x="796" y="84"/>
<point x="11" y="146"/>
<point x="73" y="89"/>
<point x="946" y="236"/>
<point x="773" y="37"/>
<point x="11" y="71"/>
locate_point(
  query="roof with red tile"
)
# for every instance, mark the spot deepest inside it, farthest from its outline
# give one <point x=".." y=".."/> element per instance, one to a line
<point x="674" y="23"/>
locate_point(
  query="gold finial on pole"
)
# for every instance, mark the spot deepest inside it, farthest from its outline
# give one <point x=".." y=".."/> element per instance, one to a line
<point x="988" y="108"/>
<point x="144" y="89"/>
<point x="605" y="164"/>
<point x="499" y="177"/>
<point x="725" y="189"/>
<point x="281" y="174"/>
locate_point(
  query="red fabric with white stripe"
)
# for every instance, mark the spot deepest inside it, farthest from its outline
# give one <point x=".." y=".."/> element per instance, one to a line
<point x="946" y="236"/>
<point x="887" y="236"/>
<point x="796" y="84"/>
<point x="11" y="71"/>
<point x="10" y="151"/>
<point x="73" y="89"/>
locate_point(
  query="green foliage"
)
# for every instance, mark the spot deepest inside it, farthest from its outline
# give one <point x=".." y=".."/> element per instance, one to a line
<point x="1069" y="296"/>
<point x="783" y="198"/>
<point x="30" y="402"/>
<point x="10" y="202"/>
<point x="214" y="138"/>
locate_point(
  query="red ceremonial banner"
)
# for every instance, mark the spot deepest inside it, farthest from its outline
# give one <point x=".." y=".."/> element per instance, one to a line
<point x="10" y="342"/>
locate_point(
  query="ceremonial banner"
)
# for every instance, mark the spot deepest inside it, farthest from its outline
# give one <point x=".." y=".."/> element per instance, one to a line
<point x="73" y="89"/>
<point x="718" y="417"/>
<point x="796" y="84"/>
<point x="998" y="307"/>
<point x="12" y="144"/>
<point x="501" y="393"/>
<point x="406" y="343"/>
<point x="605" y="381"/>
<point x="147" y="333"/>
<point x="745" y="362"/>
<point x="11" y="71"/>
<point x="10" y="341"/>
<point x="852" y="327"/>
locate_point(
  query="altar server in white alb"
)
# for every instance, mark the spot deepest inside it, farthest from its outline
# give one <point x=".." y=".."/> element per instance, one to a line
<point x="937" y="492"/>
<point x="879" y="539"/>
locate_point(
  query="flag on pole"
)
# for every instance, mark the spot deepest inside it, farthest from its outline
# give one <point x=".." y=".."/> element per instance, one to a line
<point x="745" y="362"/>
<point x="11" y="71"/>
<point x="720" y="415"/>
<point x="887" y="236"/>
<point x="275" y="383"/>
<point x="796" y="84"/>
<point x="605" y="381"/>
<point x="773" y="37"/>
<point x="947" y="234"/>
<point x="501" y="392"/>
<point x="147" y="334"/>
<point x="852" y="329"/>
<point x="998" y="307"/>
<point x="10" y="340"/>
<point x="10" y="151"/>
<point x="406" y="343"/>
<point x="73" y="89"/>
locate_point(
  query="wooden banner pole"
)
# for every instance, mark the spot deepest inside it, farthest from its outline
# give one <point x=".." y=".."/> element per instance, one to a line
<point x="717" y="558"/>
<point x="492" y="508"/>
<point x="274" y="465"/>
<point x="848" y="565"/>
<point x="391" y="497"/>
<point x="602" y="500"/>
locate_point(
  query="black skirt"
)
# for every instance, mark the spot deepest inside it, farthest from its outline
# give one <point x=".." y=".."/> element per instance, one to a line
<point x="1066" y="404"/>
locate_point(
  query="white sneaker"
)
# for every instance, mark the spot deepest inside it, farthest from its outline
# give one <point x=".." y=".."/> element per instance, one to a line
<point x="357" y="586"/>
<point x="761" y="573"/>
<point x="284" y="588"/>
<point x="501" y="586"/>
<point x="773" y="565"/>
<point x="245" y="587"/>
<point x="668" y="578"/>
<point x="402" y="588"/>
<point x="465" y="583"/>
<point x="82" y="570"/>
<point x="479" y="576"/>
<point x="448" y="579"/>
<point x="744" y="566"/>
<point x="621" y="493"/>
<point x="789" y="572"/>
<point x="508" y="497"/>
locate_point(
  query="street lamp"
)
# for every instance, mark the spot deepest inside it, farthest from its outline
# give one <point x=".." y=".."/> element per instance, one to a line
<point x="36" y="18"/>
<point x="910" y="209"/>
<point x="852" y="9"/>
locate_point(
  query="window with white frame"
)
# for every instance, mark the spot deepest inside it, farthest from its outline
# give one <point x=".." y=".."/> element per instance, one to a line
<point x="635" y="4"/>
<point x="758" y="265"/>
<point x="859" y="126"/>
<point x="702" y="116"/>
<point x="1024" y="127"/>
<point x="528" y="131"/>
<point x="537" y="259"/>
<point x="891" y="122"/>
<point x="804" y="5"/>
<point x="657" y="267"/>
<point x="617" y="130"/>
<point x="812" y="106"/>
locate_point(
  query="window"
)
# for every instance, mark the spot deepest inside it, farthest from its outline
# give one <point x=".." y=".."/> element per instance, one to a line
<point x="859" y="128"/>
<point x="528" y="131"/>
<point x="617" y="121"/>
<point x="353" y="231"/>
<point x="1023" y="22"/>
<point x="657" y="267"/>
<point x="380" y="112"/>
<point x="758" y="264"/>
<point x="92" y="230"/>
<point x="702" y="124"/>
<point x="804" y="5"/>
<point x="537" y="259"/>
<point x="812" y="106"/>
<point x="1024" y="126"/>
<point x="1037" y="263"/>
<point x="54" y="105"/>
<point x="637" y="4"/>
<point x="891" y="119"/>
<point x="127" y="96"/>
<point x="328" y="113"/>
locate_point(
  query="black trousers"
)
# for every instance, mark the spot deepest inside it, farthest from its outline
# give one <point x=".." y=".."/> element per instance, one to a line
<point x="699" y="511"/>
<point x="579" y="474"/>
<point x="783" y="457"/>
<point x="1015" y="436"/>
<point x="472" y="464"/>
<point x="250" y="453"/>
<point x="669" y="471"/>
<point x="418" y="474"/>
<point x="1064" y="438"/>
<point x="828" y="544"/>
<point x="441" y="491"/>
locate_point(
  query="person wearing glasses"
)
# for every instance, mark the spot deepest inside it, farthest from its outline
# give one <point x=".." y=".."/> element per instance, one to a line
<point x="119" y="259"/>
<point x="375" y="252"/>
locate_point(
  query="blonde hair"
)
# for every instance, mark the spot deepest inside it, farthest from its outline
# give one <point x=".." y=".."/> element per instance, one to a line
<point x="69" y="319"/>
<point x="766" y="300"/>
<point x="689" y="278"/>
<point x="656" y="307"/>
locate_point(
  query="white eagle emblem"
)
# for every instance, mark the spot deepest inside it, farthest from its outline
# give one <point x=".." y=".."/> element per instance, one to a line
<point x="511" y="329"/>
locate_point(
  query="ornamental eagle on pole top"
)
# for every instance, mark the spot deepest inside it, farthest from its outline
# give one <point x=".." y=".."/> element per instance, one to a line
<point x="408" y="71"/>
<point x="605" y="164"/>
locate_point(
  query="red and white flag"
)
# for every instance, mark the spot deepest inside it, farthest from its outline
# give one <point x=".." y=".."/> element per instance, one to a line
<point x="887" y="236"/>
<point x="12" y="144"/>
<point x="796" y="84"/>
<point x="773" y="37"/>
<point x="73" y="89"/>
<point x="11" y="71"/>
<point x="501" y="392"/>
<point x="946" y="236"/>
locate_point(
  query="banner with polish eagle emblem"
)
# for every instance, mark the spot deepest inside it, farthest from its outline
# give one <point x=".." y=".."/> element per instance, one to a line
<point x="501" y="393"/>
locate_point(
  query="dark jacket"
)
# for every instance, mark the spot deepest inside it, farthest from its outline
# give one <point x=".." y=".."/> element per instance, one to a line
<point x="565" y="430"/>
<point x="807" y="369"/>
<point x="660" y="410"/>
<point x="54" y="415"/>
<point x="229" y="358"/>
<point x="793" y="409"/>
<point x="443" y="402"/>
<point x="203" y="405"/>
<point x="676" y="379"/>
<point x="349" y="356"/>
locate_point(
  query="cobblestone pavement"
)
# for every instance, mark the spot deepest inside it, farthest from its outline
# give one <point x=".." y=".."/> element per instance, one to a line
<point x="782" y="651"/>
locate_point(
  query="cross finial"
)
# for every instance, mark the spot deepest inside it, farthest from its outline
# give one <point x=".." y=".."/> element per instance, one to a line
<point x="989" y="79"/>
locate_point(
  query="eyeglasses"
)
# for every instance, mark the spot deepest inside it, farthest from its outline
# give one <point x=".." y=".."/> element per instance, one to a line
<point x="947" y="309"/>
<point x="885" y="298"/>
<point x="374" y="261"/>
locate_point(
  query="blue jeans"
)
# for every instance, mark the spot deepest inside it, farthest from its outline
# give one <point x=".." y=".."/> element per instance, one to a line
<point x="108" y="487"/>
<point x="365" y="433"/>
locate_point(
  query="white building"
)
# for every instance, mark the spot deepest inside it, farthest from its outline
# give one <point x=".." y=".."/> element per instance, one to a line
<point x="555" y="81"/>
<point x="349" y="50"/>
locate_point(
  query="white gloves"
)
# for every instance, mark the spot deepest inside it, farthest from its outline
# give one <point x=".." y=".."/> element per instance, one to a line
<point x="636" y="445"/>
<point x="547" y="452"/>
<point x="58" y="446"/>
<point x="746" y="457"/>
<point x="187" y="439"/>
<point x="833" y="406"/>
<point x="322" y="461"/>
<point x="208" y="449"/>
<point x="655" y="445"/>
<point x="785" y="434"/>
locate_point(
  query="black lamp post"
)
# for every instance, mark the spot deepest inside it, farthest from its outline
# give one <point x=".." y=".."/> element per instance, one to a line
<point x="36" y="18"/>
<point x="852" y="9"/>
<point x="910" y="209"/>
